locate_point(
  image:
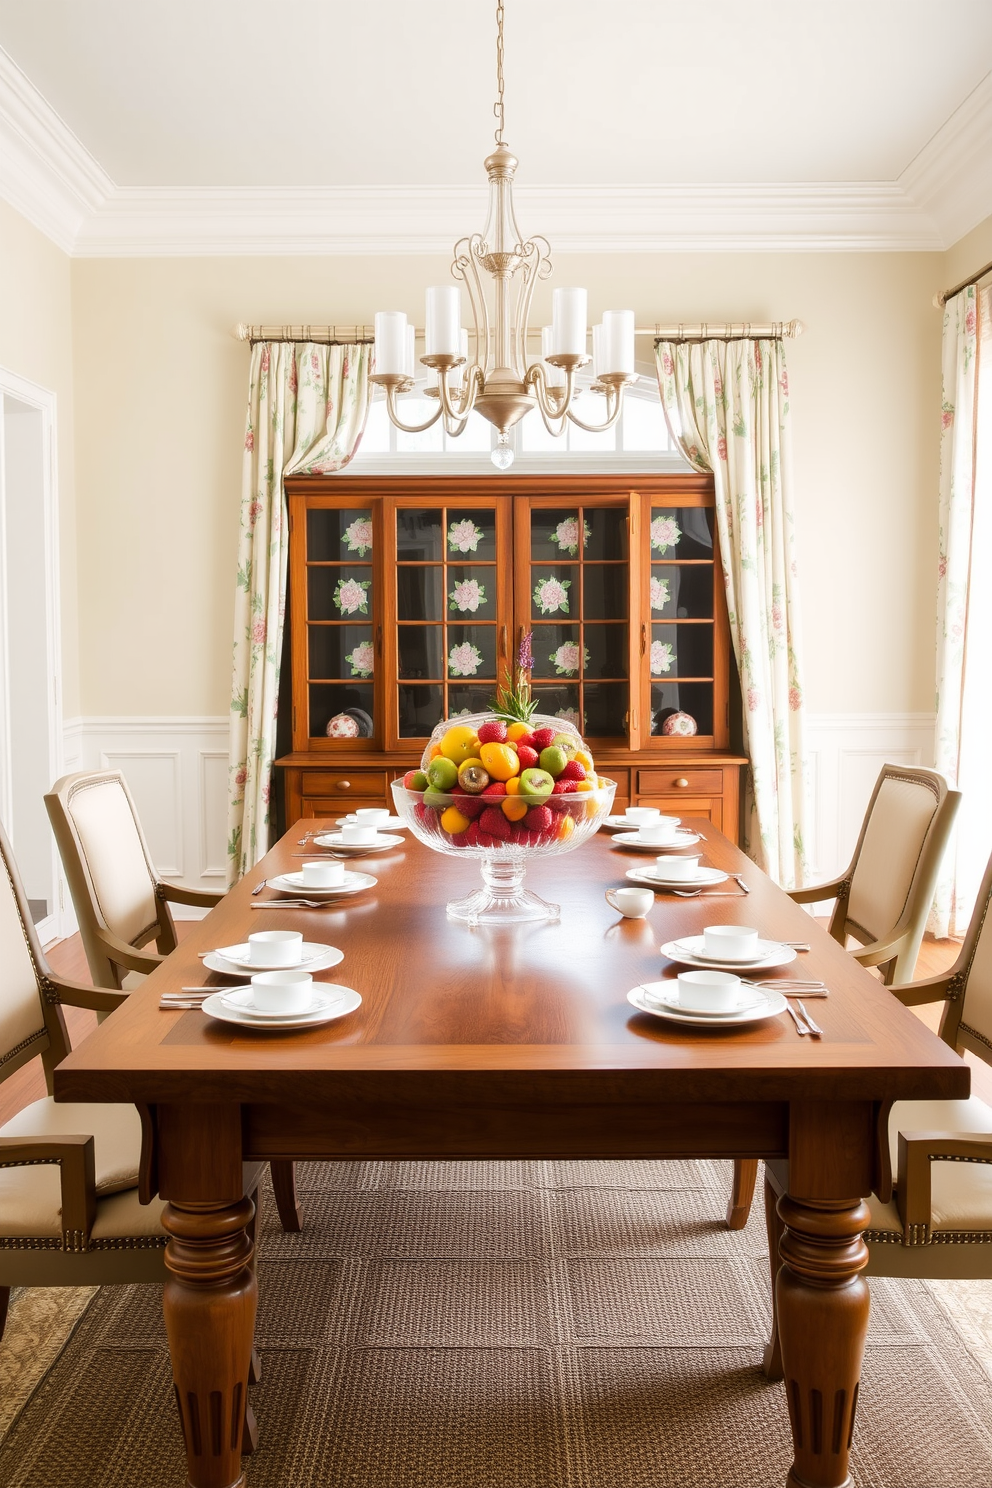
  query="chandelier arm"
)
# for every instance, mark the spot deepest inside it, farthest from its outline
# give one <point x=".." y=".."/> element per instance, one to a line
<point x="466" y="268"/>
<point x="459" y="416"/>
<point x="552" y="409"/>
<point x="537" y="265"/>
<point x="614" y="403"/>
<point x="394" y="417"/>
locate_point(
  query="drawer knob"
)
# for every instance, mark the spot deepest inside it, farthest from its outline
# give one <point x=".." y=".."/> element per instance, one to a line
<point x="344" y="785"/>
<point x="682" y="783"/>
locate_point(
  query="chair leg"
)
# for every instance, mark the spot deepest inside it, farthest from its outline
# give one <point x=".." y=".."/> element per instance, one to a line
<point x="4" y="1303"/>
<point x="745" y="1177"/>
<point x="772" y="1361"/>
<point x="284" y="1188"/>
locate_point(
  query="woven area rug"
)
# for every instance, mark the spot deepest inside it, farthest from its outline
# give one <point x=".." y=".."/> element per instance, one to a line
<point x="508" y="1325"/>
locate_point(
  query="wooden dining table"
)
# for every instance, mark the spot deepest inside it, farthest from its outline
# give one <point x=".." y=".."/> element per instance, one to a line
<point x="508" y="1043"/>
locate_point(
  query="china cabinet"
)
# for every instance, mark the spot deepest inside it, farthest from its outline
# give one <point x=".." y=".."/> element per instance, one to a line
<point x="409" y="598"/>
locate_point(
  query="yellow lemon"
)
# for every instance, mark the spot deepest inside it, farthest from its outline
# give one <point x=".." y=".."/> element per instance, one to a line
<point x="460" y="743"/>
<point x="500" y="761"/>
<point x="515" y="731"/>
<point x="452" y="820"/>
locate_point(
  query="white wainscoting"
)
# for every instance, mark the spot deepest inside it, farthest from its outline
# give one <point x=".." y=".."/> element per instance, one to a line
<point x="846" y="752"/>
<point x="176" y="769"/>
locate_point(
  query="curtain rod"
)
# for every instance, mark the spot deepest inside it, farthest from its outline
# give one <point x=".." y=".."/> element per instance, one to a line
<point x="940" y="300"/>
<point x="335" y="335"/>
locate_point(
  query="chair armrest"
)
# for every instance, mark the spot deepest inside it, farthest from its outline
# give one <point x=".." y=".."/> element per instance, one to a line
<point x="812" y="892"/>
<point x="927" y="989"/>
<point x="917" y="1150"/>
<point x="76" y="994"/>
<point x="77" y="1177"/>
<point x="880" y="951"/>
<point x="129" y="956"/>
<point x="179" y="894"/>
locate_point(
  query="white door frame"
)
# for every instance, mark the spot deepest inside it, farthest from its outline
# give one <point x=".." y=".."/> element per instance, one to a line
<point x="45" y="402"/>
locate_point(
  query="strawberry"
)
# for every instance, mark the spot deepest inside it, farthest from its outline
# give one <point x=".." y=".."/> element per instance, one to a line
<point x="470" y="806"/>
<point x="526" y="741"/>
<point x="539" y="819"/>
<point x="495" y="823"/>
<point x="573" y="771"/>
<point x="528" y="757"/>
<point x="563" y="787"/>
<point x="472" y="834"/>
<point x="461" y="839"/>
<point x="494" y="790"/>
<point x="540" y="738"/>
<point x="493" y="732"/>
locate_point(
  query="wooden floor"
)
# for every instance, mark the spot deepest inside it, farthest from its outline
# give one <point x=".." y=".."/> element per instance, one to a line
<point x="68" y="960"/>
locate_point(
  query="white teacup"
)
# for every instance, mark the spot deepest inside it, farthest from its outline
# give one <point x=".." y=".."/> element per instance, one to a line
<point x="639" y="816"/>
<point x="730" y="942"/>
<point x="633" y="904"/>
<point x="323" y="873"/>
<point x="709" y="991"/>
<point x="657" y="833"/>
<point x="372" y="816"/>
<point x="282" y="991"/>
<point x="357" y="834"/>
<point x="682" y="867"/>
<point x="275" y="948"/>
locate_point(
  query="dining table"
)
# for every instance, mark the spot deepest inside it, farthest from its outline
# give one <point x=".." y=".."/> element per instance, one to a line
<point x="513" y="1042"/>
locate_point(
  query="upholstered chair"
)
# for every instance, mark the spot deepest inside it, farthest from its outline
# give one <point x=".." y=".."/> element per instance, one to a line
<point x="884" y="897"/>
<point x="121" y="903"/>
<point x="935" y="1220"/>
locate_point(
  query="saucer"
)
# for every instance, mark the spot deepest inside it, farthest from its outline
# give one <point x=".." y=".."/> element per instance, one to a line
<point x="292" y="883"/>
<point x="702" y="878"/>
<point x="620" y="823"/>
<point x="241" y="999"/>
<point x="355" y="849"/>
<point x="777" y="955"/>
<point x="633" y="839"/>
<point x="347" y="1001"/>
<point x="765" y="1005"/>
<point x="227" y="962"/>
<point x="391" y="824"/>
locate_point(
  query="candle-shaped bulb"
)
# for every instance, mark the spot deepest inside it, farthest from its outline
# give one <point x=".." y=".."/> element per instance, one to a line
<point x="390" y="342"/>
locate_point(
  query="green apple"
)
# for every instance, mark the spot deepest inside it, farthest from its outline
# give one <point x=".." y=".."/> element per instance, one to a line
<point x="442" y="773"/>
<point x="536" y="786"/>
<point x="415" y="780"/>
<point x="553" y="759"/>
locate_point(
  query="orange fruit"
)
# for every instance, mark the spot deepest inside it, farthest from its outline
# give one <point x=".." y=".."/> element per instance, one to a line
<point x="514" y="809"/>
<point x="501" y="761"/>
<point x="566" y="827"/>
<point x="584" y="785"/>
<point x="513" y="785"/>
<point x="515" y="731"/>
<point x="453" y="821"/>
<point x="585" y="759"/>
<point x="435" y="751"/>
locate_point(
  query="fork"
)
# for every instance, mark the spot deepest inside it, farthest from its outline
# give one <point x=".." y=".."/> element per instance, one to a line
<point x="695" y="894"/>
<point x="814" y="1028"/>
<point x="259" y="886"/>
<point x="801" y="1027"/>
<point x="296" y="904"/>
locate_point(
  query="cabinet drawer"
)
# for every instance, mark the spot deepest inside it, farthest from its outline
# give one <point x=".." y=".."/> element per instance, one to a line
<point x="709" y="806"/>
<point x="693" y="782"/>
<point x="343" y="785"/>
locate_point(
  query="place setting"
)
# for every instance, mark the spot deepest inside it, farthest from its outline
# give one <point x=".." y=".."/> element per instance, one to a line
<point x="682" y="872"/>
<point x="362" y="833"/>
<point x="706" y="1000"/>
<point x="323" y="879"/>
<point x="375" y="816"/>
<point x="644" y="829"/>
<point x="281" y="992"/>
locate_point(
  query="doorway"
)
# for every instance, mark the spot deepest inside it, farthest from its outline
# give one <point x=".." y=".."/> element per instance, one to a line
<point x="30" y="663"/>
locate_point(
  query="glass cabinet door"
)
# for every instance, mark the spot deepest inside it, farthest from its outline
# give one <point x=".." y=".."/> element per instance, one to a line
<point x="573" y="592"/>
<point x="338" y="651"/>
<point x="450" y="573"/>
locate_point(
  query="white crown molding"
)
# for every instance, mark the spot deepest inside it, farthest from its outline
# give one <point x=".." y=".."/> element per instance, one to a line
<point x="951" y="178"/>
<point x="48" y="176"/>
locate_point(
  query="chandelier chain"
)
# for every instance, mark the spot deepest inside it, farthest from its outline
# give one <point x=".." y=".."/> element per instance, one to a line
<point x="498" y="105"/>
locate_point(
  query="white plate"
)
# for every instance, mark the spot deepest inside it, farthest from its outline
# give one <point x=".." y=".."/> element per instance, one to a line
<point x="241" y="999"/>
<point x="683" y="838"/>
<point x="780" y="955"/>
<point x="701" y="879"/>
<point x="619" y="823"/>
<point x="316" y="957"/>
<point x="292" y="883"/>
<point x="347" y="1002"/>
<point x="391" y="824"/>
<point x="694" y="946"/>
<point x="379" y="843"/>
<point x="770" y="1005"/>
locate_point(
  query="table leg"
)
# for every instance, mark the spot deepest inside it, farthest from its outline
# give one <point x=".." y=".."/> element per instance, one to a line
<point x="822" y="1313"/>
<point x="772" y="1361"/>
<point x="209" y="1305"/>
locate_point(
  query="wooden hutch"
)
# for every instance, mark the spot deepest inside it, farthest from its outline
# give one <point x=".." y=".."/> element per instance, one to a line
<point x="409" y="596"/>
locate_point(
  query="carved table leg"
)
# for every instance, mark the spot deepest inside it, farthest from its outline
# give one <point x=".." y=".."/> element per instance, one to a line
<point x="284" y="1190"/>
<point x="745" y="1177"/>
<point x="772" y="1361"/>
<point x="209" y="1305"/>
<point x="822" y="1310"/>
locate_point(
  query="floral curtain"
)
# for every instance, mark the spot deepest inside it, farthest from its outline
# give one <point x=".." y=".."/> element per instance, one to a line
<point x="964" y="623"/>
<point x="307" y="406"/>
<point x="727" y="406"/>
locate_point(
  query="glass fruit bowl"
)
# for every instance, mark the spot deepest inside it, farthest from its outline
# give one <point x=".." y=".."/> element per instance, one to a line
<point x="467" y="820"/>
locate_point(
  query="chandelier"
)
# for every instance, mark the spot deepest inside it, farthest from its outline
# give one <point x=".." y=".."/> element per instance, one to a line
<point x="500" y="270"/>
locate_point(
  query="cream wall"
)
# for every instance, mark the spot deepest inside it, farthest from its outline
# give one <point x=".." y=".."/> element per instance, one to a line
<point x="36" y="343"/>
<point x="160" y="392"/>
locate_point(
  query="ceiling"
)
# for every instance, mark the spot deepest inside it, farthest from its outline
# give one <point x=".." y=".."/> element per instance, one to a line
<point x="859" y="123"/>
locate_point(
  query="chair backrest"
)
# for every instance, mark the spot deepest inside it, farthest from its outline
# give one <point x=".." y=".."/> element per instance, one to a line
<point x="106" y="861"/>
<point x="28" y="1026"/>
<point x="967" y="1021"/>
<point x="896" y="861"/>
